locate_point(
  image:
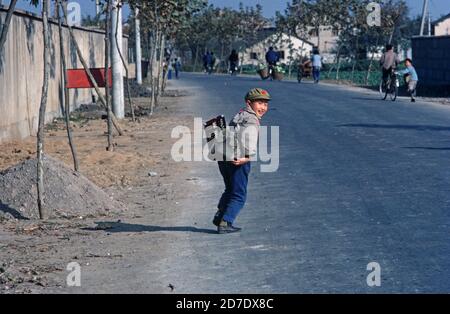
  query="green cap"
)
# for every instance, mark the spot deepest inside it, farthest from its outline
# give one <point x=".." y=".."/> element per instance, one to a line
<point x="256" y="94"/>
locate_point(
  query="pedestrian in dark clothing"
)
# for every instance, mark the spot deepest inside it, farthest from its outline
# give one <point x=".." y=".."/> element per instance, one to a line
<point x="177" y="68"/>
<point x="234" y="61"/>
<point x="272" y="57"/>
<point x="211" y="62"/>
<point x="206" y="60"/>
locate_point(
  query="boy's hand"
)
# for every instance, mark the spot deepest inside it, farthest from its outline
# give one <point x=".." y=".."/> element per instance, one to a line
<point x="240" y="161"/>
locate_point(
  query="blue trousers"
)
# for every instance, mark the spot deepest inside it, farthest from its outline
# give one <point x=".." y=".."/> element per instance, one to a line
<point x="316" y="73"/>
<point x="235" y="194"/>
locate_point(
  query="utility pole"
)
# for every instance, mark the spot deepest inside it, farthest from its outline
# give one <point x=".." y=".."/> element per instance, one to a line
<point x="47" y="4"/>
<point x="429" y="23"/>
<point x="424" y="14"/>
<point x="98" y="8"/>
<point x="138" y="47"/>
<point x="118" y="102"/>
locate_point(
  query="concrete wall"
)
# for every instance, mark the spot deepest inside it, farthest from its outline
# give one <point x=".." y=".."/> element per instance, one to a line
<point x="431" y="58"/>
<point x="21" y="72"/>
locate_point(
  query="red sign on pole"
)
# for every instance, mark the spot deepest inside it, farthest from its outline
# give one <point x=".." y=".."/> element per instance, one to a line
<point x="78" y="78"/>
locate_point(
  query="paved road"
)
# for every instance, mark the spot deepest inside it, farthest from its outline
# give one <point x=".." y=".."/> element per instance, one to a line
<point x="360" y="180"/>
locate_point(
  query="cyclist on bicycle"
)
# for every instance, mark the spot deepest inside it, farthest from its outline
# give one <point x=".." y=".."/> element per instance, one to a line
<point x="272" y="57"/>
<point x="388" y="62"/>
<point x="233" y="59"/>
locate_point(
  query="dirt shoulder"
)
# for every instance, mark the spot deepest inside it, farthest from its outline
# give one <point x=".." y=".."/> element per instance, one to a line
<point x="140" y="173"/>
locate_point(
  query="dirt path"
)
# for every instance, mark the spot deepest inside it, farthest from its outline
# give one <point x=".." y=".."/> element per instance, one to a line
<point x="34" y="255"/>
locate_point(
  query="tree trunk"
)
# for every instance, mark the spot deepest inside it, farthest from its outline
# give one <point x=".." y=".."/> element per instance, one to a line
<point x="149" y="53"/>
<point x="42" y="108"/>
<point x="330" y="70"/>
<point x="392" y="34"/>
<point x="195" y="60"/>
<point x="88" y="72"/>
<point x="369" y="70"/>
<point x="65" y="89"/>
<point x="160" y="65"/>
<point x="133" y="117"/>
<point x="5" y="27"/>
<point x="338" y="57"/>
<point x="370" y="64"/>
<point x="153" y="71"/>
<point x="242" y="60"/>
<point x="318" y="38"/>
<point x="356" y="59"/>
<point x="221" y="58"/>
<point x="338" y="68"/>
<point x="164" y="67"/>
<point x="109" y="112"/>
<point x="353" y="70"/>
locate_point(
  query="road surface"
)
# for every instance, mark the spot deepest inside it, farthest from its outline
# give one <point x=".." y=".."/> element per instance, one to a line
<point x="360" y="181"/>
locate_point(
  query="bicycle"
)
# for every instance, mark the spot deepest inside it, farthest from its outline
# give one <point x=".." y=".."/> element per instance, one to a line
<point x="271" y="71"/>
<point x="390" y="87"/>
<point x="233" y="69"/>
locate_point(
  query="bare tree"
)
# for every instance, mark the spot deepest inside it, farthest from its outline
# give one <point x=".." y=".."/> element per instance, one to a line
<point x="42" y="108"/>
<point x="5" y="27"/>
<point x="107" y="87"/>
<point x="65" y="89"/>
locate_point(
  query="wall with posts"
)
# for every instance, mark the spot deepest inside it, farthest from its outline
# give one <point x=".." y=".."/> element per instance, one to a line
<point x="21" y="72"/>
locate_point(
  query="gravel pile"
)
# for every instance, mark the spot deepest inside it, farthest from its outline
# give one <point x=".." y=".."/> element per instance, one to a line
<point x="67" y="193"/>
<point x="137" y="90"/>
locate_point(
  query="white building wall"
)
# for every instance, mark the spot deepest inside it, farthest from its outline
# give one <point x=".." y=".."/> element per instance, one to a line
<point x="443" y="28"/>
<point x="292" y="47"/>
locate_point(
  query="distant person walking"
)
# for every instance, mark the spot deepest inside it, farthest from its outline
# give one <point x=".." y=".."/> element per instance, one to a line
<point x="272" y="57"/>
<point x="211" y="62"/>
<point x="316" y="61"/>
<point x="233" y="61"/>
<point x="177" y="68"/>
<point x="206" y="60"/>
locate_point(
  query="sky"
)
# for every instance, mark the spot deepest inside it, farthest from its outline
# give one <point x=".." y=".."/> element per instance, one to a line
<point x="437" y="7"/>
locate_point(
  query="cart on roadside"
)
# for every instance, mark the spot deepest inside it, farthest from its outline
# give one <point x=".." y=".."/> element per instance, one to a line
<point x="304" y="70"/>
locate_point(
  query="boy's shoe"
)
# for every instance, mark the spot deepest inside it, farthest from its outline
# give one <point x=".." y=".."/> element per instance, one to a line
<point x="218" y="217"/>
<point x="413" y="100"/>
<point x="226" y="227"/>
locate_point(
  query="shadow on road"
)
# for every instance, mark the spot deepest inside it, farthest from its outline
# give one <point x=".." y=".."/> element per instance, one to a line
<point x="398" y="126"/>
<point x="115" y="227"/>
<point x="362" y="98"/>
<point x="429" y="148"/>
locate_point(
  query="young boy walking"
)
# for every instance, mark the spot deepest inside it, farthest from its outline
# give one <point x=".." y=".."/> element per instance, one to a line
<point x="411" y="78"/>
<point x="235" y="172"/>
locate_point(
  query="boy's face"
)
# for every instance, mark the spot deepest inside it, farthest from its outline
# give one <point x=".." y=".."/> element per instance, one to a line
<point x="407" y="63"/>
<point x="259" y="106"/>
